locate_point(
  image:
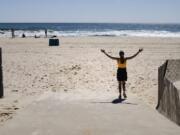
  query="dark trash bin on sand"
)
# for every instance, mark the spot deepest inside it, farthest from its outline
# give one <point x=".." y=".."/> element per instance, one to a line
<point x="53" y="42"/>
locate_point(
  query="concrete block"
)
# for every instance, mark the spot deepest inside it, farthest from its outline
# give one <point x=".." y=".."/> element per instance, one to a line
<point x="169" y="90"/>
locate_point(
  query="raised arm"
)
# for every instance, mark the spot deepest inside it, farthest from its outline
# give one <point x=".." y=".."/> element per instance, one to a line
<point x="113" y="58"/>
<point x="131" y="57"/>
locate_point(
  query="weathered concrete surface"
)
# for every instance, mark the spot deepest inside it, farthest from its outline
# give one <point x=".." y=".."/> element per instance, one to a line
<point x="169" y="90"/>
<point x="56" y="116"/>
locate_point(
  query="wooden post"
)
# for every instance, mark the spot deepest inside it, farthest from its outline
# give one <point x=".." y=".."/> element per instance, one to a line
<point x="1" y="76"/>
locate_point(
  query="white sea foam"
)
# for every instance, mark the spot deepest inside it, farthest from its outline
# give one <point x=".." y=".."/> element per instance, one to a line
<point x="131" y="33"/>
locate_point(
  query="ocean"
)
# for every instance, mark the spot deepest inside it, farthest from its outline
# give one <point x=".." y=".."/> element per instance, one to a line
<point x="91" y="29"/>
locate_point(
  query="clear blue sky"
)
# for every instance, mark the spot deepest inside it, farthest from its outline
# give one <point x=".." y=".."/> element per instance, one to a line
<point x="143" y="11"/>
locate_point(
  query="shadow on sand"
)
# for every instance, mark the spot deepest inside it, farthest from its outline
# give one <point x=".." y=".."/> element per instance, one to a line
<point x="118" y="101"/>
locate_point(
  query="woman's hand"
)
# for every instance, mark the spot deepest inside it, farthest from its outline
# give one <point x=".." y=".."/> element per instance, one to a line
<point x="102" y="50"/>
<point x="141" y="49"/>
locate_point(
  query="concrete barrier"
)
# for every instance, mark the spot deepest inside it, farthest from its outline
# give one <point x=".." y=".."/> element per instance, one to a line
<point x="1" y="76"/>
<point x="169" y="90"/>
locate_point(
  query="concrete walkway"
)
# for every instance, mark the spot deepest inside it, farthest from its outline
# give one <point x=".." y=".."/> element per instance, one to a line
<point x="53" y="116"/>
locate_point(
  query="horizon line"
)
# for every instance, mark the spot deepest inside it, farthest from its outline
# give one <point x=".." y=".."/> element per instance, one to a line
<point x="104" y="22"/>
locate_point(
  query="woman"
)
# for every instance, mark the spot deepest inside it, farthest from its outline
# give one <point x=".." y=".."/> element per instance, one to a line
<point x="121" y="71"/>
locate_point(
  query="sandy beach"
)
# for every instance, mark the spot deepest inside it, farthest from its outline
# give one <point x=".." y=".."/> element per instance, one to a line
<point x="78" y="70"/>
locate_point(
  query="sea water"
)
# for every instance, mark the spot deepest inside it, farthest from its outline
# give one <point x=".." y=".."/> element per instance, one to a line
<point x="90" y="29"/>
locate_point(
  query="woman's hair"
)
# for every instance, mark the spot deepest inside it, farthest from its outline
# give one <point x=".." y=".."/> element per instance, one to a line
<point x="121" y="53"/>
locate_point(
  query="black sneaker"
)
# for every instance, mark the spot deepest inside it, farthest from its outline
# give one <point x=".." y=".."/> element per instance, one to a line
<point x="124" y="94"/>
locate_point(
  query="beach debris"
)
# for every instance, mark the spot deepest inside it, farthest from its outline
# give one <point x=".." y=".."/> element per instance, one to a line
<point x="36" y="36"/>
<point x="54" y="36"/>
<point x="75" y="73"/>
<point x="15" y="101"/>
<point x="14" y="90"/>
<point x="75" y="67"/>
<point x="141" y="78"/>
<point x="6" y="112"/>
<point x="65" y="90"/>
<point x="28" y="74"/>
<point x="53" y="90"/>
<point x="16" y="108"/>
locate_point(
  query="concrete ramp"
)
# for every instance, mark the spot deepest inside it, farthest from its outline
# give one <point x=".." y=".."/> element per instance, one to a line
<point x="56" y="116"/>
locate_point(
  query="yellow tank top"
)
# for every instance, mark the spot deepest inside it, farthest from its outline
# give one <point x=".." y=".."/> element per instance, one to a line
<point x="121" y="65"/>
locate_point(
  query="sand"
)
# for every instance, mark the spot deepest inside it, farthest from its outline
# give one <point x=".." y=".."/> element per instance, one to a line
<point x="78" y="70"/>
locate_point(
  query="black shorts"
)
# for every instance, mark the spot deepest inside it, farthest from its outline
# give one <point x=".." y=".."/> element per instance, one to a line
<point x="121" y="74"/>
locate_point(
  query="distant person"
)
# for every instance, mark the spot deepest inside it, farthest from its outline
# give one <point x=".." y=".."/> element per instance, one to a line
<point x="12" y="32"/>
<point x="23" y="35"/>
<point x="36" y="36"/>
<point x="54" y="36"/>
<point x="46" y="33"/>
<point x="121" y="71"/>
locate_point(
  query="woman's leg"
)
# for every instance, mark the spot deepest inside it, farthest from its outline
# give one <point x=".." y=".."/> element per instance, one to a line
<point x="124" y="89"/>
<point x="119" y="89"/>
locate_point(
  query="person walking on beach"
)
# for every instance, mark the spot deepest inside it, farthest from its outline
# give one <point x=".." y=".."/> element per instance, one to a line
<point x="121" y="71"/>
<point x="12" y="33"/>
<point x="45" y="33"/>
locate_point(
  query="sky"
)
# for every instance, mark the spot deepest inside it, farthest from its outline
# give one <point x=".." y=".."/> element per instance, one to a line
<point x="114" y="11"/>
